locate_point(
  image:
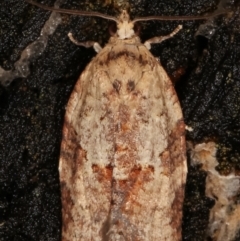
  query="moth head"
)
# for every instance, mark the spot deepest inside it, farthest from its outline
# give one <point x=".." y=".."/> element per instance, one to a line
<point x="125" y="26"/>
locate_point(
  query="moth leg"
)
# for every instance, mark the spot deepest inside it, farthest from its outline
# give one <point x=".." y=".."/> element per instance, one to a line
<point x="86" y="44"/>
<point x="157" y="40"/>
<point x="188" y="128"/>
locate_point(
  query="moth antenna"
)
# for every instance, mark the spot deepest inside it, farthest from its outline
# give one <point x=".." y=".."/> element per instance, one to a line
<point x="73" y="12"/>
<point x="183" y="18"/>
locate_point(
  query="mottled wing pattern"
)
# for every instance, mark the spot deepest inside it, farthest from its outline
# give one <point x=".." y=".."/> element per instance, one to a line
<point x="123" y="165"/>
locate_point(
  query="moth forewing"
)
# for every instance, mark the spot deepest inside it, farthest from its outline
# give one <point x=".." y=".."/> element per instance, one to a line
<point x="123" y="151"/>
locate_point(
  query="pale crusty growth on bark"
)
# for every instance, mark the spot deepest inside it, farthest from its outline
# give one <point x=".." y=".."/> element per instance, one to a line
<point x="123" y="164"/>
<point x="224" y="223"/>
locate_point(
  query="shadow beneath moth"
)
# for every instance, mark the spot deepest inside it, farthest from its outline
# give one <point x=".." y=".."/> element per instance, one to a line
<point x="123" y="164"/>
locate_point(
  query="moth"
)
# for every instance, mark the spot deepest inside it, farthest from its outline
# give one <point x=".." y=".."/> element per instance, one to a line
<point x="123" y="164"/>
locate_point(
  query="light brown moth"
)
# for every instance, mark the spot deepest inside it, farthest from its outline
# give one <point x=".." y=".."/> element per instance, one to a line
<point x="123" y="161"/>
